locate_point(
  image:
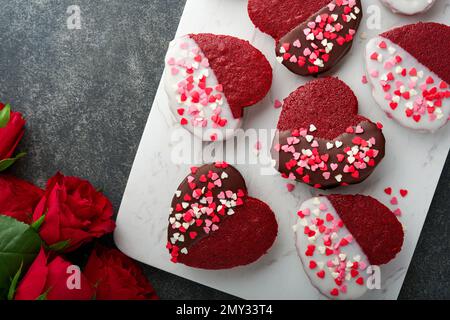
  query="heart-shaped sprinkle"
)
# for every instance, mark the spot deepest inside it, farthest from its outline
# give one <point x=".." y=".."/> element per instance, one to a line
<point x="403" y="192"/>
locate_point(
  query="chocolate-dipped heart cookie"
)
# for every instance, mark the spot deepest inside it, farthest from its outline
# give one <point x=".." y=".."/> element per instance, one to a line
<point x="339" y="236"/>
<point x="409" y="72"/>
<point x="312" y="35"/>
<point x="322" y="141"/>
<point x="210" y="79"/>
<point x="214" y="224"/>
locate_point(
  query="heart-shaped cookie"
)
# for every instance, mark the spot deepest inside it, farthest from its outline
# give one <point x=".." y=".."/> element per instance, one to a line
<point x="410" y="74"/>
<point x="339" y="236"/>
<point x="214" y="224"/>
<point x="312" y="35"/>
<point x="408" y="7"/>
<point x="322" y="141"/>
<point x="210" y="79"/>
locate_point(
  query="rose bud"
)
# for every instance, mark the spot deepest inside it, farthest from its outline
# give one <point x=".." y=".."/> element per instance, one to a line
<point x="12" y="128"/>
<point x="75" y="213"/>
<point x="53" y="280"/>
<point x="18" y="198"/>
<point x="117" y="277"/>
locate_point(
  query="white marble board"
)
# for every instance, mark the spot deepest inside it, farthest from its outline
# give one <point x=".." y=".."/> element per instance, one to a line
<point x="413" y="161"/>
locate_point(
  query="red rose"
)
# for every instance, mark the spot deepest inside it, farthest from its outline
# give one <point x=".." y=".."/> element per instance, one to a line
<point x="75" y="213"/>
<point x="55" y="280"/>
<point x="117" y="277"/>
<point x="18" y="198"/>
<point x="11" y="134"/>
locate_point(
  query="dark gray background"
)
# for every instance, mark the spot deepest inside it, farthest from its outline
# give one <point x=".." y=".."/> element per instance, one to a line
<point x="87" y="93"/>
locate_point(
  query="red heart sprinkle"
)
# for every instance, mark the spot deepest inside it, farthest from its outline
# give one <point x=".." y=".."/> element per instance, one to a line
<point x="193" y="234"/>
<point x="388" y="191"/>
<point x="403" y="192"/>
<point x="334" y="292"/>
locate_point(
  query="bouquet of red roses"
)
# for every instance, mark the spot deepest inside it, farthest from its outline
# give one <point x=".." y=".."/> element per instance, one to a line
<point x="38" y="227"/>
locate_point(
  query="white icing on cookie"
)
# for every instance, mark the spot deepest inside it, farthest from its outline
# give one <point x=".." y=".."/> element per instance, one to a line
<point x="404" y="88"/>
<point x="331" y="257"/>
<point x="408" y="7"/>
<point x="195" y="96"/>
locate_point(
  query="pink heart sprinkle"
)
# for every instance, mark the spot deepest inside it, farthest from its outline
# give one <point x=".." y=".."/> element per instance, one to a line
<point x="398" y="212"/>
<point x="326" y="175"/>
<point x="394" y="201"/>
<point x="277" y="104"/>
<point x="297" y="43"/>
<point x="359" y="129"/>
<point x="171" y="61"/>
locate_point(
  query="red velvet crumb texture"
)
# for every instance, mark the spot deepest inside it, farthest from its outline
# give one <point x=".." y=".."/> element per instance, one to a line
<point x="428" y="42"/>
<point x="278" y="17"/>
<point x="243" y="71"/>
<point x="241" y="239"/>
<point x="327" y="103"/>
<point x="372" y="224"/>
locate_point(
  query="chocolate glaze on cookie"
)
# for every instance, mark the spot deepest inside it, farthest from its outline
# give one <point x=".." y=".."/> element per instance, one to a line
<point x="219" y="182"/>
<point x="348" y="159"/>
<point x="320" y="42"/>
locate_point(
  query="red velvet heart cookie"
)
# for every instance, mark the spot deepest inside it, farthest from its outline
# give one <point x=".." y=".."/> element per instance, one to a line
<point x="210" y="79"/>
<point x="312" y="35"/>
<point x="410" y="74"/>
<point x="339" y="236"/>
<point x="322" y="141"/>
<point x="214" y="224"/>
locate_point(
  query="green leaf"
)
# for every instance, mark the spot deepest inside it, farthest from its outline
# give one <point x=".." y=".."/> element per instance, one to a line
<point x="44" y="295"/>
<point x="59" y="246"/>
<point x="5" y="115"/>
<point x="19" y="243"/>
<point x="36" y="225"/>
<point x="6" y="163"/>
<point x="15" y="280"/>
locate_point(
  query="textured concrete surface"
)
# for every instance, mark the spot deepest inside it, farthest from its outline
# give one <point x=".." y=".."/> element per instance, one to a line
<point x="87" y="94"/>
